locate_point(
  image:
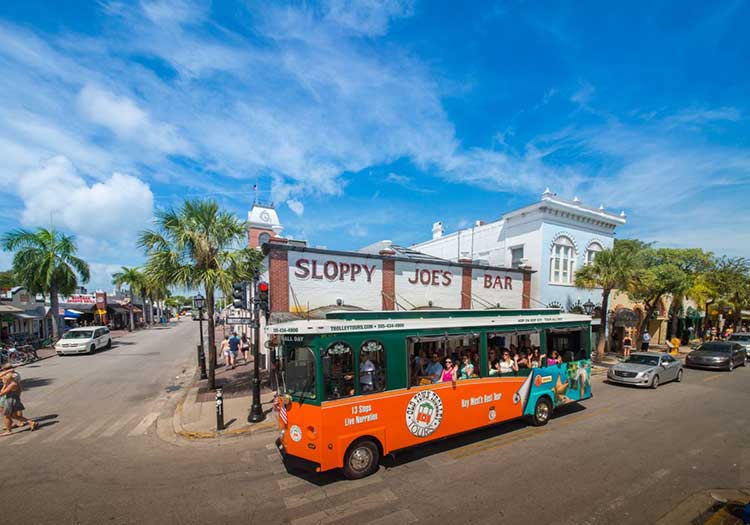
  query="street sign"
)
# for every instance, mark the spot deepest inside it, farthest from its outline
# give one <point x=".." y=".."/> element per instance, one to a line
<point x="239" y="320"/>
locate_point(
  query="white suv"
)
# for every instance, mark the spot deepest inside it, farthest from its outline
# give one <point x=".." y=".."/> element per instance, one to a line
<point x="84" y="340"/>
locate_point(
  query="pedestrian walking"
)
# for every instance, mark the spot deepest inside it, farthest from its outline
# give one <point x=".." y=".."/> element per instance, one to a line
<point x="234" y="348"/>
<point x="645" y="341"/>
<point x="224" y="350"/>
<point x="627" y="344"/>
<point x="245" y="346"/>
<point x="10" y="401"/>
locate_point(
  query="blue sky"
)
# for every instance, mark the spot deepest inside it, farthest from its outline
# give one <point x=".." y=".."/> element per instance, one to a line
<point x="371" y="120"/>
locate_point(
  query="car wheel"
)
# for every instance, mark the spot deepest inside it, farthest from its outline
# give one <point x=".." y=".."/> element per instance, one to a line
<point x="542" y="412"/>
<point x="679" y="376"/>
<point x="109" y="344"/>
<point x="655" y="382"/>
<point x="361" y="459"/>
<point x="731" y="365"/>
<point x="92" y="349"/>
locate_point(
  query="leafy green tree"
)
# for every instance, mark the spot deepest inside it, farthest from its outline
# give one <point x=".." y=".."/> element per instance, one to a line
<point x="730" y="281"/>
<point x="693" y="262"/>
<point x="135" y="280"/>
<point x="7" y="279"/>
<point x="611" y="269"/>
<point x="199" y="246"/>
<point x="659" y="276"/>
<point x="45" y="261"/>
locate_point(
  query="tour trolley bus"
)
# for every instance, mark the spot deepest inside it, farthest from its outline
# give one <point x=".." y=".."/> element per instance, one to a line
<point x="354" y="387"/>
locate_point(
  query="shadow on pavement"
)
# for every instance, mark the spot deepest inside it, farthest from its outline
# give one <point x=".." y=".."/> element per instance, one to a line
<point x="28" y="384"/>
<point x="431" y="448"/>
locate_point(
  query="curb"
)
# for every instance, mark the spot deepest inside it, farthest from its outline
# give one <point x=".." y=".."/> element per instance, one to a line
<point x="169" y="423"/>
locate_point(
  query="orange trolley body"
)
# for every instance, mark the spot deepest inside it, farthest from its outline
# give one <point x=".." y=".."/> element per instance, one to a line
<point x="321" y="432"/>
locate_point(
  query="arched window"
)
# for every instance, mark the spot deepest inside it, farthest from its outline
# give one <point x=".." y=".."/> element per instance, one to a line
<point x="371" y="367"/>
<point x="562" y="261"/>
<point x="593" y="249"/>
<point x="263" y="238"/>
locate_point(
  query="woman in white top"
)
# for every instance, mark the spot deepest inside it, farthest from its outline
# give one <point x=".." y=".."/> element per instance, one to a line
<point x="508" y="365"/>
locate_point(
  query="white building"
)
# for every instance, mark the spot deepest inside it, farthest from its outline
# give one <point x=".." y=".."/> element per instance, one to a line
<point x="554" y="237"/>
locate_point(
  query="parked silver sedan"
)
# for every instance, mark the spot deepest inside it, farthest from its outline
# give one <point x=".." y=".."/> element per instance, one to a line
<point x="646" y="369"/>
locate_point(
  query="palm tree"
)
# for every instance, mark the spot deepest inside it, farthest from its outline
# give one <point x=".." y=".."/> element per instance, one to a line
<point x="197" y="246"/>
<point x="611" y="269"/>
<point x="45" y="261"/>
<point x="135" y="281"/>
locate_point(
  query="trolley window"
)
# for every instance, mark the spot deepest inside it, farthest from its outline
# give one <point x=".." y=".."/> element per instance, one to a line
<point x="298" y="372"/>
<point x="371" y="367"/>
<point x="338" y="371"/>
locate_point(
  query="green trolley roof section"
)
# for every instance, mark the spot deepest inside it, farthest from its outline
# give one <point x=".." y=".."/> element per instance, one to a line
<point x="377" y="321"/>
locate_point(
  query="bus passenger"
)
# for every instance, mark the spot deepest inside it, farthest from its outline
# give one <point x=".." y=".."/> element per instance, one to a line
<point x="435" y="370"/>
<point x="554" y="358"/>
<point x="450" y="372"/>
<point x="507" y="365"/>
<point x="535" y="360"/>
<point x="420" y="364"/>
<point x="492" y="362"/>
<point x="366" y="371"/>
<point x="467" y="370"/>
<point x="475" y="363"/>
<point x="523" y="360"/>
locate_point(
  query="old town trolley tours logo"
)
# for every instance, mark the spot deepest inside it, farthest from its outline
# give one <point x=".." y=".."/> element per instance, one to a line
<point x="424" y="413"/>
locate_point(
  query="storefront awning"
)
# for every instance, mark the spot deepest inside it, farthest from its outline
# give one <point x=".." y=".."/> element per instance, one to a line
<point x="8" y="309"/>
<point x="28" y="316"/>
<point x="72" y="314"/>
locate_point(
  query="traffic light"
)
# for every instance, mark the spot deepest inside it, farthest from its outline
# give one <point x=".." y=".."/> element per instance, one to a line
<point x="239" y="295"/>
<point x="262" y="295"/>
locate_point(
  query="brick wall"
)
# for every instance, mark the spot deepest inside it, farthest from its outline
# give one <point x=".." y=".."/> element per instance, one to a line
<point x="466" y="288"/>
<point x="526" y="298"/>
<point x="254" y="233"/>
<point x="389" y="284"/>
<point x="278" y="269"/>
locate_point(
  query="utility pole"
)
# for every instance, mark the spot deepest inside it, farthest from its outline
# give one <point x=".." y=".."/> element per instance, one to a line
<point x="259" y="301"/>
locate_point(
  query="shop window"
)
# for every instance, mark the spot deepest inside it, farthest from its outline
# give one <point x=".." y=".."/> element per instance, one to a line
<point x="338" y="371"/>
<point x="562" y="261"/>
<point x="371" y="367"/>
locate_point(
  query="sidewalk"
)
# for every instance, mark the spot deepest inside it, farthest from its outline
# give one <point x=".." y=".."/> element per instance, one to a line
<point x="610" y="359"/>
<point x="195" y="417"/>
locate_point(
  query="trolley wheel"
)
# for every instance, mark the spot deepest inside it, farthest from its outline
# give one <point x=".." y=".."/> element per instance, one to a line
<point x="542" y="412"/>
<point x="361" y="459"/>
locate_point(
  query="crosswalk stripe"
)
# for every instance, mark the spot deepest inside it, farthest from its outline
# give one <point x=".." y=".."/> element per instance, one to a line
<point x="89" y="430"/>
<point x="57" y="435"/>
<point x="145" y="423"/>
<point x="402" y="516"/>
<point x="318" y="494"/>
<point x="339" y="512"/>
<point x="117" y="425"/>
<point x="28" y="436"/>
<point x="290" y="482"/>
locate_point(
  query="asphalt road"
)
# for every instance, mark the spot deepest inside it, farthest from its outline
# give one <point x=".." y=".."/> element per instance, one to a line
<point x="625" y="456"/>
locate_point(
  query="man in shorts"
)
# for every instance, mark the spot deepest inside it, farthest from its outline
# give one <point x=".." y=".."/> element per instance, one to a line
<point x="234" y="348"/>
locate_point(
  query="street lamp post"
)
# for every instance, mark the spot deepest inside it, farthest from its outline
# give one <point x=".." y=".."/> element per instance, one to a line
<point x="588" y="307"/>
<point x="199" y="302"/>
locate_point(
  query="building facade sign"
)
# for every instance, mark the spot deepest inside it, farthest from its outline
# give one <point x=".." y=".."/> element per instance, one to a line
<point x="419" y="285"/>
<point x="318" y="280"/>
<point x="496" y="288"/>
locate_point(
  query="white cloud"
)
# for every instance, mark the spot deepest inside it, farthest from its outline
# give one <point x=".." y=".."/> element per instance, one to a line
<point x="368" y="17"/>
<point x="296" y="206"/>
<point x="123" y="116"/>
<point x="116" y="207"/>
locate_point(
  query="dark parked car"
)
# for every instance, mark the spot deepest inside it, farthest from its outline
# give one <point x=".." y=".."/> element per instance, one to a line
<point x="724" y="355"/>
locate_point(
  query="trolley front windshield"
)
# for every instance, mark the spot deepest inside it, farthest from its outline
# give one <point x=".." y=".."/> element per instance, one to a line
<point x="298" y="367"/>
